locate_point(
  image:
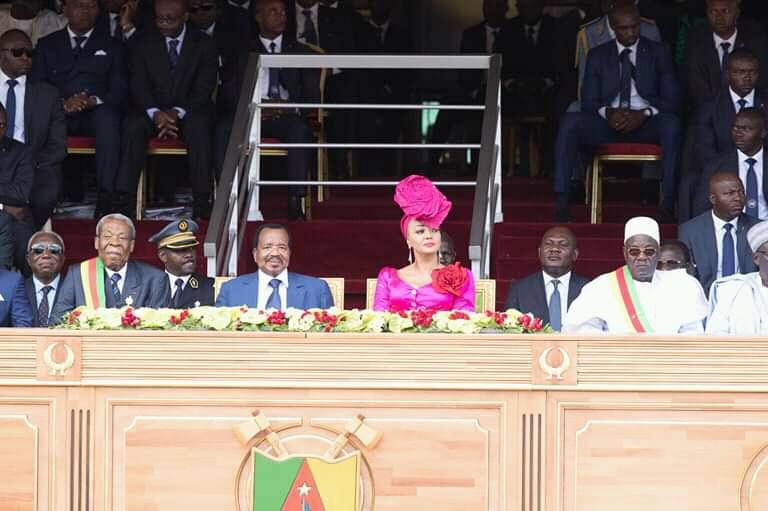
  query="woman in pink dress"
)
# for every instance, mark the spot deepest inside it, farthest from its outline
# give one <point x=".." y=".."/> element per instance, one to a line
<point x="424" y="283"/>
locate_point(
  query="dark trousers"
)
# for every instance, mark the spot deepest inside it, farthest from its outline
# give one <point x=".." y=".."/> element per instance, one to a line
<point x="47" y="186"/>
<point x="292" y="129"/>
<point x="197" y="134"/>
<point x="579" y="131"/>
<point x="102" y="123"/>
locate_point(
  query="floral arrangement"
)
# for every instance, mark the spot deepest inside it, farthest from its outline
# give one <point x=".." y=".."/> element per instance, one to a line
<point x="244" y="319"/>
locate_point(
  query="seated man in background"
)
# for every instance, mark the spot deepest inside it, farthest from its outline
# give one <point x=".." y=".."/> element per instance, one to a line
<point x="717" y="238"/>
<point x="273" y="286"/>
<point x="45" y="255"/>
<point x="277" y="85"/>
<point x="15" y="310"/>
<point x="111" y="280"/>
<point x="548" y="294"/>
<point x="674" y="255"/>
<point x="173" y="76"/>
<point x="746" y="161"/>
<point x="30" y="17"/>
<point x="739" y="303"/>
<point x="88" y="69"/>
<point x="637" y="298"/>
<point x="630" y="95"/>
<point x="120" y="19"/>
<point x="176" y="248"/>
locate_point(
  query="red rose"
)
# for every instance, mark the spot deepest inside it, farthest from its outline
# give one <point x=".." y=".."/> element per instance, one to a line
<point x="449" y="279"/>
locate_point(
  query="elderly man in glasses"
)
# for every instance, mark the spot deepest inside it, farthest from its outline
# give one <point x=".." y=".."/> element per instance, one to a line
<point x="739" y="303"/>
<point x="111" y="280"/>
<point x="636" y="298"/>
<point x="45" y="256"/>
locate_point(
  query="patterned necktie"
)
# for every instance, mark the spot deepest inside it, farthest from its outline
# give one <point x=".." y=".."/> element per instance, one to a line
<point x="625" y="83"/>
<point x="79" y="41"/>
<point x="173" y="52"/>
<point x="751" y="209"/>
<point x="44" y="309"/>
<point x="724" y="60"/>
<point x="274" y="301"/>
<point x="177" y="293"/>
<point x="742" y="104"/>
<point x="729" y="253"/>
<point x="529" y="35"/>
<point x="274" y="76"/>
<point x="310" y="33"/>
<point x="115" y="278"/>
<point x="10" y="108"/>
<point x="555" y="308"/>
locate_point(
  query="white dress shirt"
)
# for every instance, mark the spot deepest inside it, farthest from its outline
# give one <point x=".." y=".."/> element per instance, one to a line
<point x="151" y="111"/>
<point x="51" y="294"/>
<point x="384" y="27"/>
<point x="19" y="90"/>
<point x="490" y="37"/>
<point x="719" y="232"/>
<point x="72" y="36"/>
<point x="636" y="101"/>
<point x="762" y="207"/>
<point x="265" y="290"/>
<point x="549" y="288"/>
<point x="264" y="72"/>
<point x="718" y="41"/>
<point x="301" y="22"/>
<point x="536" y="30"/>
<point x="749" y="98"/>
<point x="120" y="283"/>
<point x="172" y="281"/>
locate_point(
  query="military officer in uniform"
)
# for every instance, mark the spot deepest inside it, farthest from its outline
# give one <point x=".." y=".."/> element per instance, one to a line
<point x="176" y="249"/>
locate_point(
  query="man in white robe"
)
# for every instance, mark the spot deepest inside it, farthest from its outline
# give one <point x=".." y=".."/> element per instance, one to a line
<point x="636" y="298"/>
<point x="739" y="303"/>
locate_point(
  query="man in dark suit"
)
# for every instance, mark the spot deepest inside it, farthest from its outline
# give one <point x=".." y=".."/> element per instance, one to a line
<point x="714" y="121"/>
<point x="278" y="85"/>
<point x="88" y="69"/>
<point x="747" y="161"/>
<point x="174" y="72"/>
<point x="273" y="286"/>
<point x="15" y="310"/>
<point x="176" y="244"/>
<point x="630" y="94"/>
<point x="16" y="176"/>
<point x="45" y="255"/>
<point x="120" y="19"/>
<point x="481" y="38"/>
<point x="549" y="293"/>
<point x="717" y="238"/>
<point x="709" y="46"/>
<point x="110" y="280"/>
<point x="227" y="25"/>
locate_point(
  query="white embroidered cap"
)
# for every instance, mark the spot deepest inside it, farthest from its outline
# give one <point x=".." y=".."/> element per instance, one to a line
<point x="757" y="236"/>
<point x="642" y="225"/>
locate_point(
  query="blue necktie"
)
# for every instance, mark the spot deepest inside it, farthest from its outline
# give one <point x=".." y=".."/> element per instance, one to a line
<point x="274" y="299"/>
<point x="115" y="278"/>
<point x="177" y="293"/>
<point x="274" y="77"/>
<point x="724" y="60"/>
<point x="625" y="83"/>
<point x="752" y="192"/>
<point x="729" y="254"/>
<point x="10" y="108"/>
<point x="555" y="308"/>
<point x="44" y="309"/>
<point x="742" y="104"/>
<point x="310" y="34"/>
<point x="173" y="52"/>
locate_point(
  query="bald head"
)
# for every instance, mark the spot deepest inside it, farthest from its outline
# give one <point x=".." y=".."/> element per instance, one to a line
<point x="625" y="22"/>
<point x="726" y="195"/>
<point x="558" y="251"/>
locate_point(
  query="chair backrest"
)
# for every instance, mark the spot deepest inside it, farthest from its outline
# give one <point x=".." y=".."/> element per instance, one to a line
<point x="485" y="294"/>
<point x="336" y="285"/>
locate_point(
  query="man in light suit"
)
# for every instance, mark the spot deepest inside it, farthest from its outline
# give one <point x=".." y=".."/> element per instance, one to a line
<point x="273" y="286"/>
<point x="558" y="251"/>
<point x="630" y="95"/>
<point x="123" y="279"/>
<point x="717" y="238"/>
<point x="15" y="309"/>
<point x="45" y="255"/>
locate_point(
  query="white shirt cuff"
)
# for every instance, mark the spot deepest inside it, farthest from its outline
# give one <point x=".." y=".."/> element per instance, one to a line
<point x="181" y="111"/>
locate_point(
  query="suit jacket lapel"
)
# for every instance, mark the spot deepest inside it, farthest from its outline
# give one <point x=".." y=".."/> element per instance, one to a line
<point x="742" y="251"/>
<point x="709" y="241"/>
<point x="614" y="72"/>
<point x="540" y="295"/>
<point x="765" y="178"/>
<point x="296" y="293"/>
<point x="30" y="288"/>
<point x="188" y="50"/>
<point x="132" y="285"/>
<point x="30" y="100"/>
<point x="573" y="290"/>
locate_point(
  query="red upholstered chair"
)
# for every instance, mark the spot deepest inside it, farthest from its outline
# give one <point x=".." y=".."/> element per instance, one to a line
<point x="614" y="152"/>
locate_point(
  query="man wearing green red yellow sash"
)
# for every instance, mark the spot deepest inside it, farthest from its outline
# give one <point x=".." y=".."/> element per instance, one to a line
<point x="636" y="298"/>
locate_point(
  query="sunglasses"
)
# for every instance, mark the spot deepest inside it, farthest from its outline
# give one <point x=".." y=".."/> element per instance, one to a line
<point x="40" y="248"/>
<point x="669" y="263"/>
<point x="18" y="52"/>
<point x="635" y="252"/>
<point x="202" y="7"/>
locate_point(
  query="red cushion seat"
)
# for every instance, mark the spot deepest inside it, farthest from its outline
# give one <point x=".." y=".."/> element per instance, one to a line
<point x="78" y="142"/>
<point x="623" y="149"/>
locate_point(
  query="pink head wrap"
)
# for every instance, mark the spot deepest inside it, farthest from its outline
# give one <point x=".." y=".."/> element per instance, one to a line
<point x="420" y="199"/>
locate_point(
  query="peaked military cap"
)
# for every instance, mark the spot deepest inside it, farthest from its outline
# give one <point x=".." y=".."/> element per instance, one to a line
<point x="177" y="235"/>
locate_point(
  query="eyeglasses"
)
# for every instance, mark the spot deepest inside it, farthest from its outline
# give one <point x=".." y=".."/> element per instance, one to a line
<point x="647" y="252"/>
<point x="18" y="52"/>
<point x="40" y="248"/>
<point x="202" y="7"/>
<point x="669" y="263"/>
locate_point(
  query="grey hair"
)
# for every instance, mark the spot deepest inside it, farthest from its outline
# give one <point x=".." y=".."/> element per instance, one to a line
<point x="48" y="233"/>
<point x="119" y="217"/>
